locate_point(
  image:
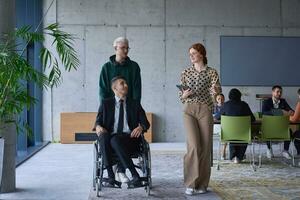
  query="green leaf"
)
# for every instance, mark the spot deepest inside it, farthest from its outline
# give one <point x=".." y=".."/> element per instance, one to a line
<point x="16" y="72"/>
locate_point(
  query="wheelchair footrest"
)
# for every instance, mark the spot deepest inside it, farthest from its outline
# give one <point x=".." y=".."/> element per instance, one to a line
<point x="144" y="179"/>
<point x="107" y="183"/>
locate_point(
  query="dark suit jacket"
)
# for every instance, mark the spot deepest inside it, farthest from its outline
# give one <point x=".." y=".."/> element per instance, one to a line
<point x="236" y="108"/>
<point x="268" y="106"/>
<point x="135" y="115"/>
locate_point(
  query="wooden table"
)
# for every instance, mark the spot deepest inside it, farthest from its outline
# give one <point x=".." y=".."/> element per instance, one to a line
<point x="76" y="127"/>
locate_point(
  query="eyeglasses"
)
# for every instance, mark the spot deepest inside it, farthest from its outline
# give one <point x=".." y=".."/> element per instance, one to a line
<point x="124" y="48"/>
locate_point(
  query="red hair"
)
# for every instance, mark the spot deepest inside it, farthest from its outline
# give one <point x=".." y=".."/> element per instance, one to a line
<point x="201" y="49"/>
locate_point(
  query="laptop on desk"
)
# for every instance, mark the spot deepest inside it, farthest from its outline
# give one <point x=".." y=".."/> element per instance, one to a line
<point x="277" y="112"/>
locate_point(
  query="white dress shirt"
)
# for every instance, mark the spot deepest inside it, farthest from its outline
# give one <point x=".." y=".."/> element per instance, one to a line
<point x="117" y="111"/>
<point x="276" y="103"/>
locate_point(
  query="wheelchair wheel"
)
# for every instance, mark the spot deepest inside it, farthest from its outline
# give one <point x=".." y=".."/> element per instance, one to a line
<point x="98" y="170"/>
<point x="98" y="187"/>
<point x="99" y="177"/>
<point x="94" y="166"/>
<point x="149" y="168"/>
<point x="148" y="190"/>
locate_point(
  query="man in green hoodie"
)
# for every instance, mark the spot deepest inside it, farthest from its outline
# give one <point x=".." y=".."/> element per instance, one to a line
<point x="120" y="65"/>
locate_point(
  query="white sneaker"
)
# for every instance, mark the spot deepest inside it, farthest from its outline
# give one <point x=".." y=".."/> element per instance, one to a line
<point x="287" y="155"/>
<point x="201" y="191"/>
<point x="270" y="154"/>
<point x="189" y="191"/>
<point x="114" y="168"/>
<point x="223" y="156"/>
<point x="236" y="160"/>
<point x="192" y="191"/>
<point x="121" y="177"/>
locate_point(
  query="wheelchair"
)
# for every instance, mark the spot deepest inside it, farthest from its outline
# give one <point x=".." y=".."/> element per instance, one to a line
<point x="143" y="165"/>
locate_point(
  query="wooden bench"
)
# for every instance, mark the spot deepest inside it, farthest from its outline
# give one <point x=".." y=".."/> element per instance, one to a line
<point x="76" y="127"/>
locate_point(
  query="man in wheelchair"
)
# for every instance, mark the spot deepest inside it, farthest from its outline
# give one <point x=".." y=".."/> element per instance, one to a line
<point x="119" y="124"/>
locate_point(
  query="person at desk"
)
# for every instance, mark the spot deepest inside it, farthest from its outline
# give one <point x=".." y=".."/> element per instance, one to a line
<point x="219" y="103"/>
<point x="236" y="107"/>
<point x="216" y="114"/>
<point x="277" y="106"/>
<point x="119" y="124"/>
<point x="296" y="118"/>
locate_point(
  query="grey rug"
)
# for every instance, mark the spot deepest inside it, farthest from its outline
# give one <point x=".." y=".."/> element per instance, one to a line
<point x="167" y="177"/>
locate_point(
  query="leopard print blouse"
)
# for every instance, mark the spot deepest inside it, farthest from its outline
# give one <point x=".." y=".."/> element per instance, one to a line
<point x="201" y="85"/>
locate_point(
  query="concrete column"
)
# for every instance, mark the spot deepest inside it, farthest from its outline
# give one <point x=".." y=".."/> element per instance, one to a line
<point x="8" y="183"/>
<point x="8" y="132"/>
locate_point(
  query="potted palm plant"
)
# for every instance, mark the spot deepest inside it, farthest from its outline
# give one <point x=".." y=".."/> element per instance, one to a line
<point x="15" y="70"/>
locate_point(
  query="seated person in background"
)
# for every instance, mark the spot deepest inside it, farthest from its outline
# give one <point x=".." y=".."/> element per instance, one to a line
<point x="277" y="106"/>
<point x="236" y="107"/>
<point x="296" y="118"/>
<point x="217" y="108"/>
<point x="216" y="114"/>
<point x="119" y="124"/>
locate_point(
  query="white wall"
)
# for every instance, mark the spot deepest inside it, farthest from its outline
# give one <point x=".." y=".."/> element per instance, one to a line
<point x="160" y="33"/>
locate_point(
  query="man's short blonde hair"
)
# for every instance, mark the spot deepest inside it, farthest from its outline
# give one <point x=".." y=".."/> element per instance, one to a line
<point x="120" y="40"/>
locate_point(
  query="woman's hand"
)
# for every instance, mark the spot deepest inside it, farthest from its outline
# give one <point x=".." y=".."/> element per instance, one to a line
<point x="288" y="113"/>
<point x="186" y="93"/>
<point x="215" y="89"/>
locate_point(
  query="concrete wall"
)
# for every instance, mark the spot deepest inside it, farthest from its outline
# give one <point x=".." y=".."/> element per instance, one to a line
<point x="160" y="33"/>
<point x="6" y="12"/>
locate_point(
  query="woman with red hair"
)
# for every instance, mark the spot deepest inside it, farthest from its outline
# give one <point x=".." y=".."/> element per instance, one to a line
<point x="200" y="84"/>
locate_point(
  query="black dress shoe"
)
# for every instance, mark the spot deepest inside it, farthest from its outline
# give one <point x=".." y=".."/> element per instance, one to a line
<point x="135" y="182"/>
<point x="111" y="180"/>
<point x="108" y="182"/>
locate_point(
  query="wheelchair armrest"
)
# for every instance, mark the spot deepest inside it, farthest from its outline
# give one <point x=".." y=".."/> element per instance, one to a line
<point x="144" y="143"/>
<point x="143" y="138"/>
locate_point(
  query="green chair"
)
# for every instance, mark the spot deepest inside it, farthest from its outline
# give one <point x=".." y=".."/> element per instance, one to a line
<point x="257" y="116"/>
<point x="274" y="129"/>
<point x="236" y="129"/>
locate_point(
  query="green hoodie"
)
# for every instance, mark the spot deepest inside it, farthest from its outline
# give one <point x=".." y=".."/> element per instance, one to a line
<point x="129" y="69"/>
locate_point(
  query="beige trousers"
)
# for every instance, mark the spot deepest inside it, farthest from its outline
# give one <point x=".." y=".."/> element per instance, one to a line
<point x="198" y="123"/>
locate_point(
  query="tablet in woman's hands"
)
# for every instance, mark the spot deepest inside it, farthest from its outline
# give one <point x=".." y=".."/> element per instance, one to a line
<point x="182" y="87"/>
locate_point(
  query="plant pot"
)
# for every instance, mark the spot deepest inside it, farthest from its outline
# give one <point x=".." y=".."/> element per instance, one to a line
<point x="8" y="180"/>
